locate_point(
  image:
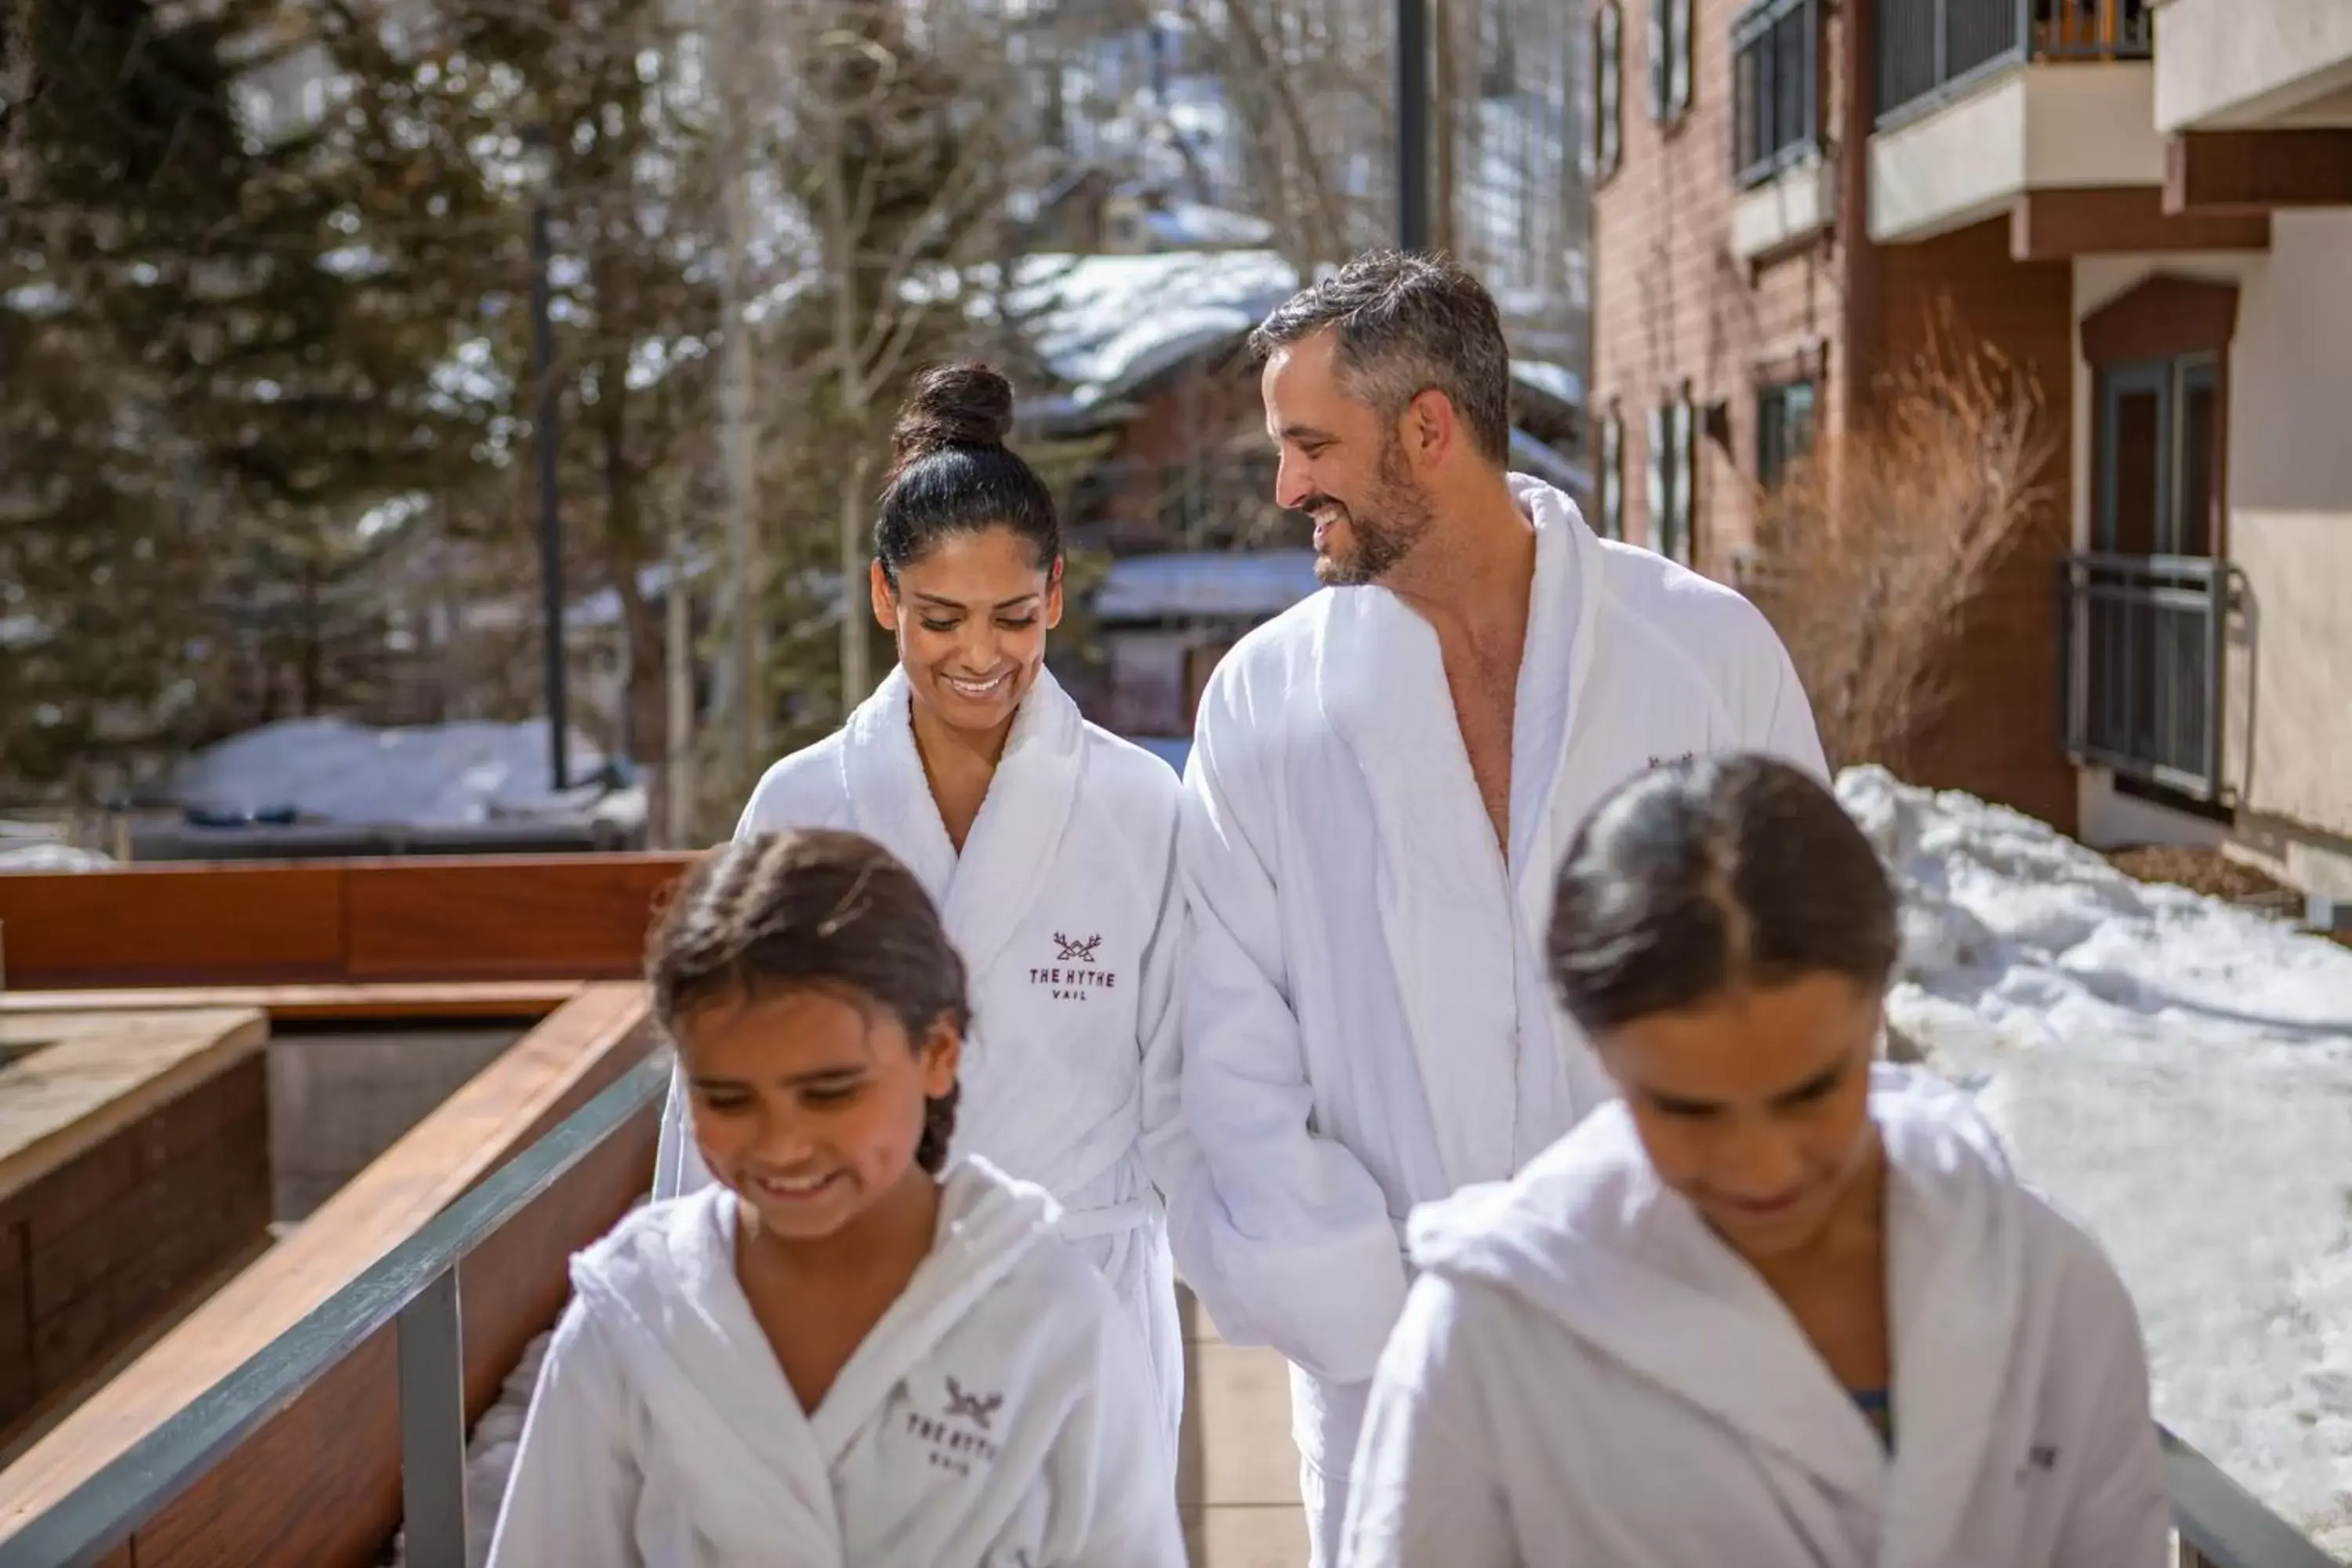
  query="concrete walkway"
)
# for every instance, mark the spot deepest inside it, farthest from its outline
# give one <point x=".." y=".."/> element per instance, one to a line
<point x="1237" y="1477"/>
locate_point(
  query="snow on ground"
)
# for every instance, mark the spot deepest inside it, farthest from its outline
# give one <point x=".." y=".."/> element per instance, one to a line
<point x="49" y="856"/>
<point x="330" y="769"/>
<point x="2176" y="1074"/>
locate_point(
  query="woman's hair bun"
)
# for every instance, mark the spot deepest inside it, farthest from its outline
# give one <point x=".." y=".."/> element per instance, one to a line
<point x="966" y="405"/>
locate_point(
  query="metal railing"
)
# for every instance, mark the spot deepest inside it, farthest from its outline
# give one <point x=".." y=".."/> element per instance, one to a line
<point x="2220" y="1524"/>
<point x="415" y="1285"/>
<point x="2144" y="664"/>
<point x="1930" y="50"/>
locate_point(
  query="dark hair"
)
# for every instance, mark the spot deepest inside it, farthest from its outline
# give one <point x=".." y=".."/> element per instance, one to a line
<point x="817" y="909"/>
<point x="1406" y="324"/>
<point x="950" y="471"/>
<point x="1709" y="874"/>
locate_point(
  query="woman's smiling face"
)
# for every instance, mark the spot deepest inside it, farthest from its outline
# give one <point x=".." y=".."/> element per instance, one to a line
<point x="970" y="616"/>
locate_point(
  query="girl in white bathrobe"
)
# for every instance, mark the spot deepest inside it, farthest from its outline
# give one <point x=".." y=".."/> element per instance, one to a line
<point x="833" y="1356"/>
<point x="1778" y="1305"/>
<point x="1048" y="845"/>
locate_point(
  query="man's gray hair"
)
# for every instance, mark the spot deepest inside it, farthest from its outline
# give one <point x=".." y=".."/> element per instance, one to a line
<point x="1405" y="324"/>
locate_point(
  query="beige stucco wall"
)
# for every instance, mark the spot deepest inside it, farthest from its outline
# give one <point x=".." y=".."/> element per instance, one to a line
<point x="2239" y="62"/>
<point x="2045" y="126"/>
<point x="2289" y="518"/>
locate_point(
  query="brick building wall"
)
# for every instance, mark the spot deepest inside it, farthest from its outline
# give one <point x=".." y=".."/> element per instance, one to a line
<point x="93" y="1252"/>
<point x="1676" y="306"/>
<point x="1999" y="737"/>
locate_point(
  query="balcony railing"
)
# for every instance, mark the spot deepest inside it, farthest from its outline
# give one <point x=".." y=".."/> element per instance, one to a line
<point x="2145" y="666"/>
<point x="1932" y="50"/>
<point x="2220" y="1525"/>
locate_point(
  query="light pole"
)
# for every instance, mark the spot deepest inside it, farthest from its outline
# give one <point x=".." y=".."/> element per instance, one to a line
<point x="1413" y="123"/>
<point x="547" y="437"/>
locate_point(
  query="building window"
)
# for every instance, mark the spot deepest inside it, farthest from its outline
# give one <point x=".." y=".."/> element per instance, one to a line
<point x="1775" y="51"/>
<point x="2159" y="441"/>
<point x="1673" y="467"/>
<point x="1784" y="428"/>
<point x="1608" y="59"/>
<point x="1669" y="59"/>
<point x="1610" y="479"/>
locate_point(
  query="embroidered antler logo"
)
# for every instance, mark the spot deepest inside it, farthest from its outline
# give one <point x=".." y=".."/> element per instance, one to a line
<point x="976" y="1408"/>
<point x="1080" y="951"/>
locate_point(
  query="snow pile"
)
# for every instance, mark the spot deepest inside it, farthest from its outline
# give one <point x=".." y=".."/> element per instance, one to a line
<point x="2176" y="1073"/>
<point x="25" y="846"/>
<point x="329" y="770"/>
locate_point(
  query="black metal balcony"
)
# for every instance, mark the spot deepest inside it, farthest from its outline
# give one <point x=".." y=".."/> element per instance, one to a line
<point x="1931" y="50"/>
<point x="2145" y="666"/>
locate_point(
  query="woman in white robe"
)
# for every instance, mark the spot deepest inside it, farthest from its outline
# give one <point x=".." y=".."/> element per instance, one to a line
<point x="1048" y="844"/>
<point x="832" y="1357"/>
<point x="1778" y="1305"/>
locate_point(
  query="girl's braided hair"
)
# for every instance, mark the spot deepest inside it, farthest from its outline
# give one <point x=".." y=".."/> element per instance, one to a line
<point x="816" y="908"/>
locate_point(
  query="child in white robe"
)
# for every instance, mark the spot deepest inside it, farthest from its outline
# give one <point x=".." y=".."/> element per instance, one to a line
<point x="1048" y="845"/>
<point x="1777" y="1306"/>
<point x="833" y="1356"/>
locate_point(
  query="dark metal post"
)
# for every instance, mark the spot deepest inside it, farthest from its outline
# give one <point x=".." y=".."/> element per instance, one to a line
<point x="551" y="532"/>
<point x="1413" y="123"/>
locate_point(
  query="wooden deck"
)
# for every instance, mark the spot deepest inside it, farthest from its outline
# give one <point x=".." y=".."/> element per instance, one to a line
<point x="318" y="1485"/>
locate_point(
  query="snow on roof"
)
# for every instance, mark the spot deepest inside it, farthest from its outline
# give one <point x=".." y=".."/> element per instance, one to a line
<point x="1106" y="322"/>
<point x="330" y="769"/>
<point x="1235" y="583"/>
<point x="1554" y="381"/>
<point x="1198" y="224"/>
<point x="2174" y="1071"/>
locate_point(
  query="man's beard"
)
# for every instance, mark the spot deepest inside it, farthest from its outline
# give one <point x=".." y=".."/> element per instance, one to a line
<point x="1388" y="529"/>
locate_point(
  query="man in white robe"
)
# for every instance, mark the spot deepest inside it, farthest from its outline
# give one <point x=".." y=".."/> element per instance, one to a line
<point x="1382" y="783"/>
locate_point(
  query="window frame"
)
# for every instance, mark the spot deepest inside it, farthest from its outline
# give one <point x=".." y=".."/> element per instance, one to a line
<point x="1673" y="62"/>
<point x="1774" y="409"/>
<point x="2171" y="379"/>
<point x="1674" y="478"/>
<point x="1757" y="34"/>
<point x="1610" y="479"/>
<point x="1608" y="144"/>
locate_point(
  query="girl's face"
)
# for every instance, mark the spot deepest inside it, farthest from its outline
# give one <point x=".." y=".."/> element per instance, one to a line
<point x="1755" y="1105"/>
<point x="808" y="1104"/>
<point x="970" y="616"/>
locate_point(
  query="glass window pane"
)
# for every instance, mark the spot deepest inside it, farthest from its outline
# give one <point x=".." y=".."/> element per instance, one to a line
<point x="1789" y="118"/>
<point x="2136" y="446"/>
<point x="1747" y="105"/>
<point x="2193" y="511"/>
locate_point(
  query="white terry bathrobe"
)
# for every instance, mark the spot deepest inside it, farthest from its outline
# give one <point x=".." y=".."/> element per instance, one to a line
<point x="1368" y="1022"/>
<point x="1586" y="1372"/>
<point x="995" y="1417"/>
<point x="1066" y="907"/>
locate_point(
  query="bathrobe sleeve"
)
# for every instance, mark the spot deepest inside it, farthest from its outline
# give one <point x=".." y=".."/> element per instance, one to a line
<point x="571" y="1500"/>
<point x="1111" y="1475"/>
<point x="1159" y="1029"/>
<point x="1283" y="1233"/>
<point x="1426" y="1487"/>
<point x="1788" y="730"/>
<point x="2120" y="1514"/>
